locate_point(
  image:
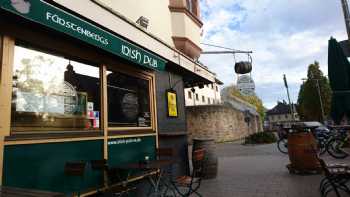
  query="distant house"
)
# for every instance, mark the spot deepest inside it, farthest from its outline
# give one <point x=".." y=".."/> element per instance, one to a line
<point x="208" y="94"/>
<point x="280" y="115"/>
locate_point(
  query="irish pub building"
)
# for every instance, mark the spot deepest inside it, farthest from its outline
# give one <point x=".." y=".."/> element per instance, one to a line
<point x="91" y="79"/>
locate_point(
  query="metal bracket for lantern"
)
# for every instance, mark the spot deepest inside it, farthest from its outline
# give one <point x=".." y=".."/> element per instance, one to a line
<point x="241" y="67"/>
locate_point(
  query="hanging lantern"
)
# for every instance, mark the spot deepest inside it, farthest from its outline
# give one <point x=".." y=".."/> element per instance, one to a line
<point x="243" y="67"/>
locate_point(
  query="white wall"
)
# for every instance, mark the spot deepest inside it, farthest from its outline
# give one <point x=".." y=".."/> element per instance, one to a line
<point x="157" y="11"/>
<point x="208" y="92"/>
<point x="183" y="26"/>
<point x="279" y="118"/>
<point x="161" y="29"/>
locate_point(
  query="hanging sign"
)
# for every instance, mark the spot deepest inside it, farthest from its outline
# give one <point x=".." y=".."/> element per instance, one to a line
<point x="43" y="13"/>
<point x="172" y="103"/>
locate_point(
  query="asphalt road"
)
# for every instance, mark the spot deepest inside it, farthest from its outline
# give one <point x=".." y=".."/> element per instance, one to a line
<point x="257" y="171"/>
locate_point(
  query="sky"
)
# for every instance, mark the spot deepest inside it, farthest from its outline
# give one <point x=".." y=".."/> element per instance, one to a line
<point x="284" y="35"/>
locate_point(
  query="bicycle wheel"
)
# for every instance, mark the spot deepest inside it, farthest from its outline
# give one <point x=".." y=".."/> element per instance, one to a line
<point x="282" y="145"/>
<point x="335" y="147"/>
<point x="321" y="147"/>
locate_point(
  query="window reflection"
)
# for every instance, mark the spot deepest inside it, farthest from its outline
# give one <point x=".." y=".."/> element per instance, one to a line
<point x="128" y="101"/>
<point x="52" y="93"/>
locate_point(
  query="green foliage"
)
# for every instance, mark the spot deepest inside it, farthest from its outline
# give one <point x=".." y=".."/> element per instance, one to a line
<point x="253" y="100"/>
<point x="309" y="107"/>
<point x="261" y="138"/>
<point x="29" y="76"/>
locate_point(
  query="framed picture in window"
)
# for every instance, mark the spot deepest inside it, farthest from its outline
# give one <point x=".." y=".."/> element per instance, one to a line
<point x="172" y="103"/>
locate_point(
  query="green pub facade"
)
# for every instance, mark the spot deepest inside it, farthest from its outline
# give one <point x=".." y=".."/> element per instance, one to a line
<point x="73" y="90"/>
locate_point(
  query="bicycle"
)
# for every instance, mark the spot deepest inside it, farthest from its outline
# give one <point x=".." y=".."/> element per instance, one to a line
<point x="338" y="144"/>
<point x="282" y="142"/>
<point x="321" y="135"/>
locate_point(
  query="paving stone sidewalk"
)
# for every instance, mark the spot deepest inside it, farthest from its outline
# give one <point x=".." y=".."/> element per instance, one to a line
<point x="259" y="171"/>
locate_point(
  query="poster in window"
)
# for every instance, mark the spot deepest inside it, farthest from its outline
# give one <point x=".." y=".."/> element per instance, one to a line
<point x="172" y="103"/>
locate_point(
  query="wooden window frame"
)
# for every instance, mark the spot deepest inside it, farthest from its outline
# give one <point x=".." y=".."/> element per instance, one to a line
<point x="53" y="131"/>
<point x="104" y="129"/>
<point x="6" y="73"/>
<point x="150" y="77"/>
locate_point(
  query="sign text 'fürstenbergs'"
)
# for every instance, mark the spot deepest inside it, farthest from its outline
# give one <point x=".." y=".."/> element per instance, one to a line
<point x="43" y="13"/>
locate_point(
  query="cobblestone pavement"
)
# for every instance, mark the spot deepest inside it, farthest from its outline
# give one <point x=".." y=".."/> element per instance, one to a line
<point x="259" y="171"/>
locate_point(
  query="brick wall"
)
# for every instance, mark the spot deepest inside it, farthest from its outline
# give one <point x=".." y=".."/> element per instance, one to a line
<point x="220" y="122"/>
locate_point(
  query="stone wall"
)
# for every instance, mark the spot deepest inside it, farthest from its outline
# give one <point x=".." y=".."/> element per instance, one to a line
<point x="220" y="122"/>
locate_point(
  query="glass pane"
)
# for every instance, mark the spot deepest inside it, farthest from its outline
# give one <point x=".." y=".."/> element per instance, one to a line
<point x="128" y="101"/>
<point x="52" y="93"/>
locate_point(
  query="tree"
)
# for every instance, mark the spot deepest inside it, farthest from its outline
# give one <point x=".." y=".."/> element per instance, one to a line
<point x="30" y="77"/>
<point x="253" y="100"/>
<point x="309" y="106"/>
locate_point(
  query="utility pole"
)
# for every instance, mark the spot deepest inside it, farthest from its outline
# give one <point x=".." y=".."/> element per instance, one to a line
<point x="346" y="16"/>
<point x="319" y="96"/>
<point x="290" y="104"/>
<point x="321" y="103"/>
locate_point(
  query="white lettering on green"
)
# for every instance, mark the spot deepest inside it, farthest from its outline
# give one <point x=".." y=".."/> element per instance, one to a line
<point x="70" y="25"/>
<point x="134" y="54"/>
<point x="150" y="61"/>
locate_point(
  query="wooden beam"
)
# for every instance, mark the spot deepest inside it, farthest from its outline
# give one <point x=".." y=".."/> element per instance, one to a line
<point x="7" y="45"/>
<point x="1" y="38"/>
<point x="6" y="68"/>
<point x="104" y="109"/>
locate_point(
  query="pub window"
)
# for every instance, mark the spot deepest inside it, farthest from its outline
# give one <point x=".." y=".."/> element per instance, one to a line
<point x="203" y="99"/>
<point x="208" y="100"/>
<point x="197" y="98"/>
<point x="128" y="100"/>
<point x="52" y="93"/>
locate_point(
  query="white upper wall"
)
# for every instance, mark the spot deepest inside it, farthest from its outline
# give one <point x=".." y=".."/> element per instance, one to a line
<point x="157" y="11"/>
<point x="184" y="26"/>
<point x="210" y="93"/>
<point x="96" y="13"/>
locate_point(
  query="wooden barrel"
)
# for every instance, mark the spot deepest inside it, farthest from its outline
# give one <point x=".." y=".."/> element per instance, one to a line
<point x="302" y="153"/>
<point x="210" y="166"/>
<point x="243" y="67"/>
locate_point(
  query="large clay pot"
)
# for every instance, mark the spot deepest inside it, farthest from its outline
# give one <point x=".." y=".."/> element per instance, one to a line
<point x="302" y="153"/>
<point x="210" y="166"/>
<point x="243" y="67"/>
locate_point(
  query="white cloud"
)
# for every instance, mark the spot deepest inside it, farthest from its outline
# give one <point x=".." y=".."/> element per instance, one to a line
<point x="285" y="36"/>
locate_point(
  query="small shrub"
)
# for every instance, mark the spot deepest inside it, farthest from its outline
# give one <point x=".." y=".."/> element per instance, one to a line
<point x="260" y="138"/>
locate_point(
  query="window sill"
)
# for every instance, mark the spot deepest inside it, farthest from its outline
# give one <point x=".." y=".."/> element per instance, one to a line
<point x="50" y="136"/>
<point x="172" y="134"/>
<point x="131" y="133"/>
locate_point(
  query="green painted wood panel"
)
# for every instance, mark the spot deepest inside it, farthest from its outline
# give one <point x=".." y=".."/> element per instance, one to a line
<point x="41" y="166"/>
<point x="126" y="150"/>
